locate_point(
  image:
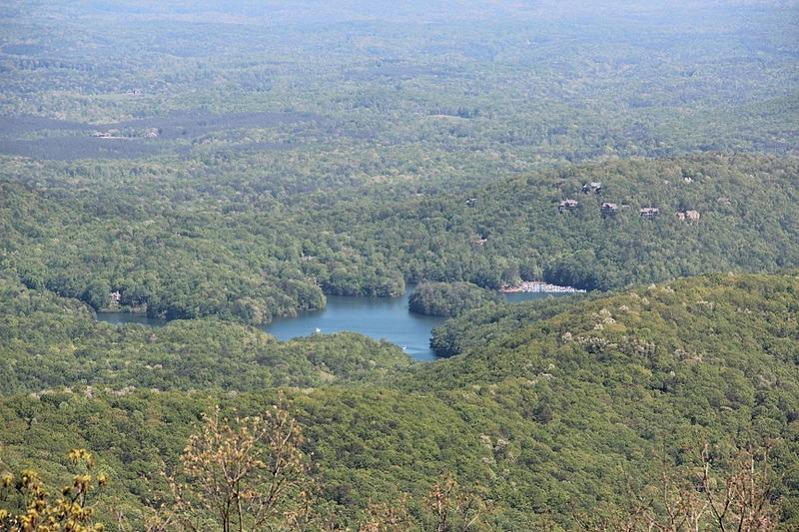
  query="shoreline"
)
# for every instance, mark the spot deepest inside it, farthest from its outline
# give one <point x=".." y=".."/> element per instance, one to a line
<point x="540" y="287"/>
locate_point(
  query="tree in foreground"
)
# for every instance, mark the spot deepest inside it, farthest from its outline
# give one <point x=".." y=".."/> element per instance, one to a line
<point x="26" y="505"/>
<point x="741" y="498"/>
<point x="454" y="508"/>
<point x="248" y="474"/>
<point x="448" y="507"/>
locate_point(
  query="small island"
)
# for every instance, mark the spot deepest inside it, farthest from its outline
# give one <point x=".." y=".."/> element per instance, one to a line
<point x="449" y="299"/>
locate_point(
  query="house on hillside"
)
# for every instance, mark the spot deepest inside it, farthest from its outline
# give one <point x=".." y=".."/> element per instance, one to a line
<point x="609" y="209"/>
<point x="592" y="187"/>
<point x="568" y="205"/>
<point x="649" y="212"/>
<point x="689" y="216"/>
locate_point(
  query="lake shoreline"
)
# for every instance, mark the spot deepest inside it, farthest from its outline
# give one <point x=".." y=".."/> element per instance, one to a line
<point x="539" y="287"/>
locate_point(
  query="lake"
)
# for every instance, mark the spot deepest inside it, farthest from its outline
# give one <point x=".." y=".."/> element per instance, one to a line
<point x="378" y="318"/>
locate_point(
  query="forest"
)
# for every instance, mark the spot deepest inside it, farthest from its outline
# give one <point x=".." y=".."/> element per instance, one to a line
<point x="539" y="418"/>
<point x="222" y="164"/>
<point x="272" y="183"/>
<point x="449" y="299"/>
<point x="270" y="259"/>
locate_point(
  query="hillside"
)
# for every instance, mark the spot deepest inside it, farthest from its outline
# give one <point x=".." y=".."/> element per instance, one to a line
<point x="746" y="208"/>
<point x="210" y="160"/>
<point x="50" y="342"/>
<point x="89" y="238"/>
<point x="543" y="417"/>
<point x="209" y="170"/>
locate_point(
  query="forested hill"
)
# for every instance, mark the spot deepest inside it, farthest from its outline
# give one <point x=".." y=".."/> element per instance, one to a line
<point x="714" y="213"/>
<point x="49" y="342"/>
<point x="218" y="164"/>
<point x="210" y="159"/>
<point x="558" y="416"/>
<point x="178" y="251"/>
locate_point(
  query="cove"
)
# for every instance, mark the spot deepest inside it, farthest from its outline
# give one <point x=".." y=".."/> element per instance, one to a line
<point x="379" y="318"/>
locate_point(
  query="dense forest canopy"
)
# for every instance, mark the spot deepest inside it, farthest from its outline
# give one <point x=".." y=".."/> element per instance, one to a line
<point x="74" y="349"/>
<point x="300" y="147"/>
<point x="222" y="163"/>
<point x="246" y="256"/>
<point x="449" y="299"/>
<point x="540" y="414"/>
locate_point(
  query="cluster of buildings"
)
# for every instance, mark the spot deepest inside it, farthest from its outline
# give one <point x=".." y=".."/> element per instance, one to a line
<point x="609" y="209"/>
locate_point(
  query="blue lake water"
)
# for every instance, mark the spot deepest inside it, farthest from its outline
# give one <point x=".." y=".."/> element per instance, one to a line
<point x="378" y="318"/>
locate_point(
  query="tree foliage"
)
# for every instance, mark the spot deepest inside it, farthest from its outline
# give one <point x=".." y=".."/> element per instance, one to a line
<point x="244" y="474"/>
<point x="27" y="505"/>
<point x="449" y="299"/>
<point x="551" y="411"/>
